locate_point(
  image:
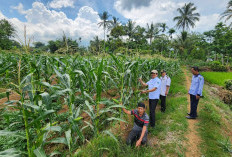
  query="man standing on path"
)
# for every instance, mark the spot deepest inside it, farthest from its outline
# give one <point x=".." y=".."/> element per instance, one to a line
<point x="195" y="92"/>
<point x="165" y="85"/>
<point x="154" y="94"/>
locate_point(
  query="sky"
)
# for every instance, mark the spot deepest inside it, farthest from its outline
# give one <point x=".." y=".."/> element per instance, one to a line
<point x="47" y="19"/>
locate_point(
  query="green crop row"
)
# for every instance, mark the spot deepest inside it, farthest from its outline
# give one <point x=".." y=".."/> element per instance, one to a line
<point x="45" y="84"/>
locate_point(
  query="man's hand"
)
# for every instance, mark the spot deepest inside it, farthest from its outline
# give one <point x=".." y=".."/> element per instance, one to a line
<point x="138" y="143"/>
<point x="144" y="91"/>
<point x="197" y="97"/>
<point x="166" y="93"/>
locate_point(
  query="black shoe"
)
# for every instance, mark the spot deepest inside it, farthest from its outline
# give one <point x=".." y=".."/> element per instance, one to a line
<point x="189" y="117"/>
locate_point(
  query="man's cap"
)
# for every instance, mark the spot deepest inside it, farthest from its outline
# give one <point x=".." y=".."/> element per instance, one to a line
<point x="154" y="71"/>
<point x="163" y="71"/>
<point x="140" y="104"/>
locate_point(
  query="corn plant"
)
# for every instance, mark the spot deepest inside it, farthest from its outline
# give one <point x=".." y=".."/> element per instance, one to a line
<point x="79" y="84"/>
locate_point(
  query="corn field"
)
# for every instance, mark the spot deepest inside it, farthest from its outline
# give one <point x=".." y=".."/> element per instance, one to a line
<point x="66" y="101"/>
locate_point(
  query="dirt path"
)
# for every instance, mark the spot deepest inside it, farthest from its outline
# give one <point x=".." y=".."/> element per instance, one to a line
<point x="192" y="134"/>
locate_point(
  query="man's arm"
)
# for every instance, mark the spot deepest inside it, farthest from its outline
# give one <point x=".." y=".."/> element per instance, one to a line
<point x="167" y="89"/>
<point x="126" y="111"/>
<point x="200" y="89"/>
<point x="143" y="83"/>
<point x="168" y="86"/>
<point x="138" y="143"/>
<point x="151" y="90"/>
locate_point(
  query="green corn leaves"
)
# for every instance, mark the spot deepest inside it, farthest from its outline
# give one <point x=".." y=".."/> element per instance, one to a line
<point x="89" y="90"/>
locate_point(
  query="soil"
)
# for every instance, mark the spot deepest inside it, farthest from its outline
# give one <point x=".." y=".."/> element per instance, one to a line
<point x="13" y="96"/>
<point x="192" y="134"/>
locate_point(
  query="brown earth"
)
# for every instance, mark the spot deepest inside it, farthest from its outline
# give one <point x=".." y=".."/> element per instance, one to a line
<point x="192" y="134"/>
<point x="13" y="96"/>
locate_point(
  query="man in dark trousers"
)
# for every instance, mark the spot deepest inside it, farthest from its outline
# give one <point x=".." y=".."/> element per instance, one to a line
<point x="165" y="85"/>
<point x="154" y="94"/>
<point x="195" y="92"/>
<point x="141" y="121"/>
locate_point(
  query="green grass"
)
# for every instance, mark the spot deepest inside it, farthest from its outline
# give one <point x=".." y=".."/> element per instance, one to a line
<point x="217" y="78"/>
<point x="106" y="146"/>
<point x="171" y="126"/>
<point x="211" y="126"/>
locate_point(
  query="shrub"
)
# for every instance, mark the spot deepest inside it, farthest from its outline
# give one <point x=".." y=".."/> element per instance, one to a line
<point x="217" y="66"/>
<point x="228" y="84"/>
<point x="226" y="96"/>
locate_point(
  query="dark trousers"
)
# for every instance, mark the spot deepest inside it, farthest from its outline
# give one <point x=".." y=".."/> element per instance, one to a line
<point x="163" y="103"/>
<point x="194" y="104"/>
<point x="134" y="136"/>
<point x="152" y="106"/>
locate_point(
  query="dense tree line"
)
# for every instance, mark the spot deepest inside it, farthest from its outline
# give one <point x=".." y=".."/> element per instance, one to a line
<point x="130" y="38"/>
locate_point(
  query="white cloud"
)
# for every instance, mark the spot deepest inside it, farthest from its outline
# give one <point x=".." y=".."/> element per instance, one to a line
<point x="165" y="11"/>
<point x="19" y="8"/>
<point x="57" y="4"/>
<point x="129" y="4"/>
<point x="207" y="22"/>
<point x="156" y="11"/>
<point x="1" y="15"/>
<point x="45" y="24"/>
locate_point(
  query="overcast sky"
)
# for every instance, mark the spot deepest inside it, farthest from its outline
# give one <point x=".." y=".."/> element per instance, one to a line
<point x="47" y="19"/>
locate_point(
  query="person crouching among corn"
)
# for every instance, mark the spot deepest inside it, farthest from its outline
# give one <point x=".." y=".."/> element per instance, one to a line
<point x="139" y="132"/>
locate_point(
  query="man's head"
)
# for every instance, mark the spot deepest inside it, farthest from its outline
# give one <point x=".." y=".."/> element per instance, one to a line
<point x="195" y="70"/>
<point x="163" y="73"/>
<point x="154" y="74"/>
<point x="141" y="108"/>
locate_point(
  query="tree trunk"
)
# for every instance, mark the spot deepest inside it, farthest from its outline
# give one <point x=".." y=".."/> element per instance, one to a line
<point x="104" y="40"/>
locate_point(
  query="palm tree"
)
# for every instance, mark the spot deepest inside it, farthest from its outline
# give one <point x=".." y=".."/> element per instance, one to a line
<point x="114" y="22"/>
<point x="182" y="43"/>
<point x="95" y="44"/>
<point x="170" y="32"/>
<point x="105" y="23"/>
<point x="163" y="26"/>
<point x="187" y="16"/>
<point x="152" y="31"/>
<point x="228" y="12"/>
<point x="130" y="29"/>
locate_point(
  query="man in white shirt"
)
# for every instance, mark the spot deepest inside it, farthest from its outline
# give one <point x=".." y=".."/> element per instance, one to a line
<point x="165" y="85"/>
<point x="154" y="94"/>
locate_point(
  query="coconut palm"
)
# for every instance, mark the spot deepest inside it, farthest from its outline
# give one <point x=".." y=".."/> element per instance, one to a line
<point x="228" y="12"/>
<point x="163" y="27"/>
<point x="130" y="29"/>
<point x="105" y="23"/>
<point x="170" y="32"/>
<point x="114" y="22"/>
<point x="187" y="16"/>
<point x="152" y="31"/>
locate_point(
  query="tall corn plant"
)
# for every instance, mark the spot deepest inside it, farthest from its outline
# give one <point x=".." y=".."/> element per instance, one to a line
<point x="26" y="41"/>
<point x="32" y="114"/>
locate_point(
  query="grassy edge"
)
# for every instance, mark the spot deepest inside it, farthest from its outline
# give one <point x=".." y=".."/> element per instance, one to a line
<point x="211" y="125"/>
